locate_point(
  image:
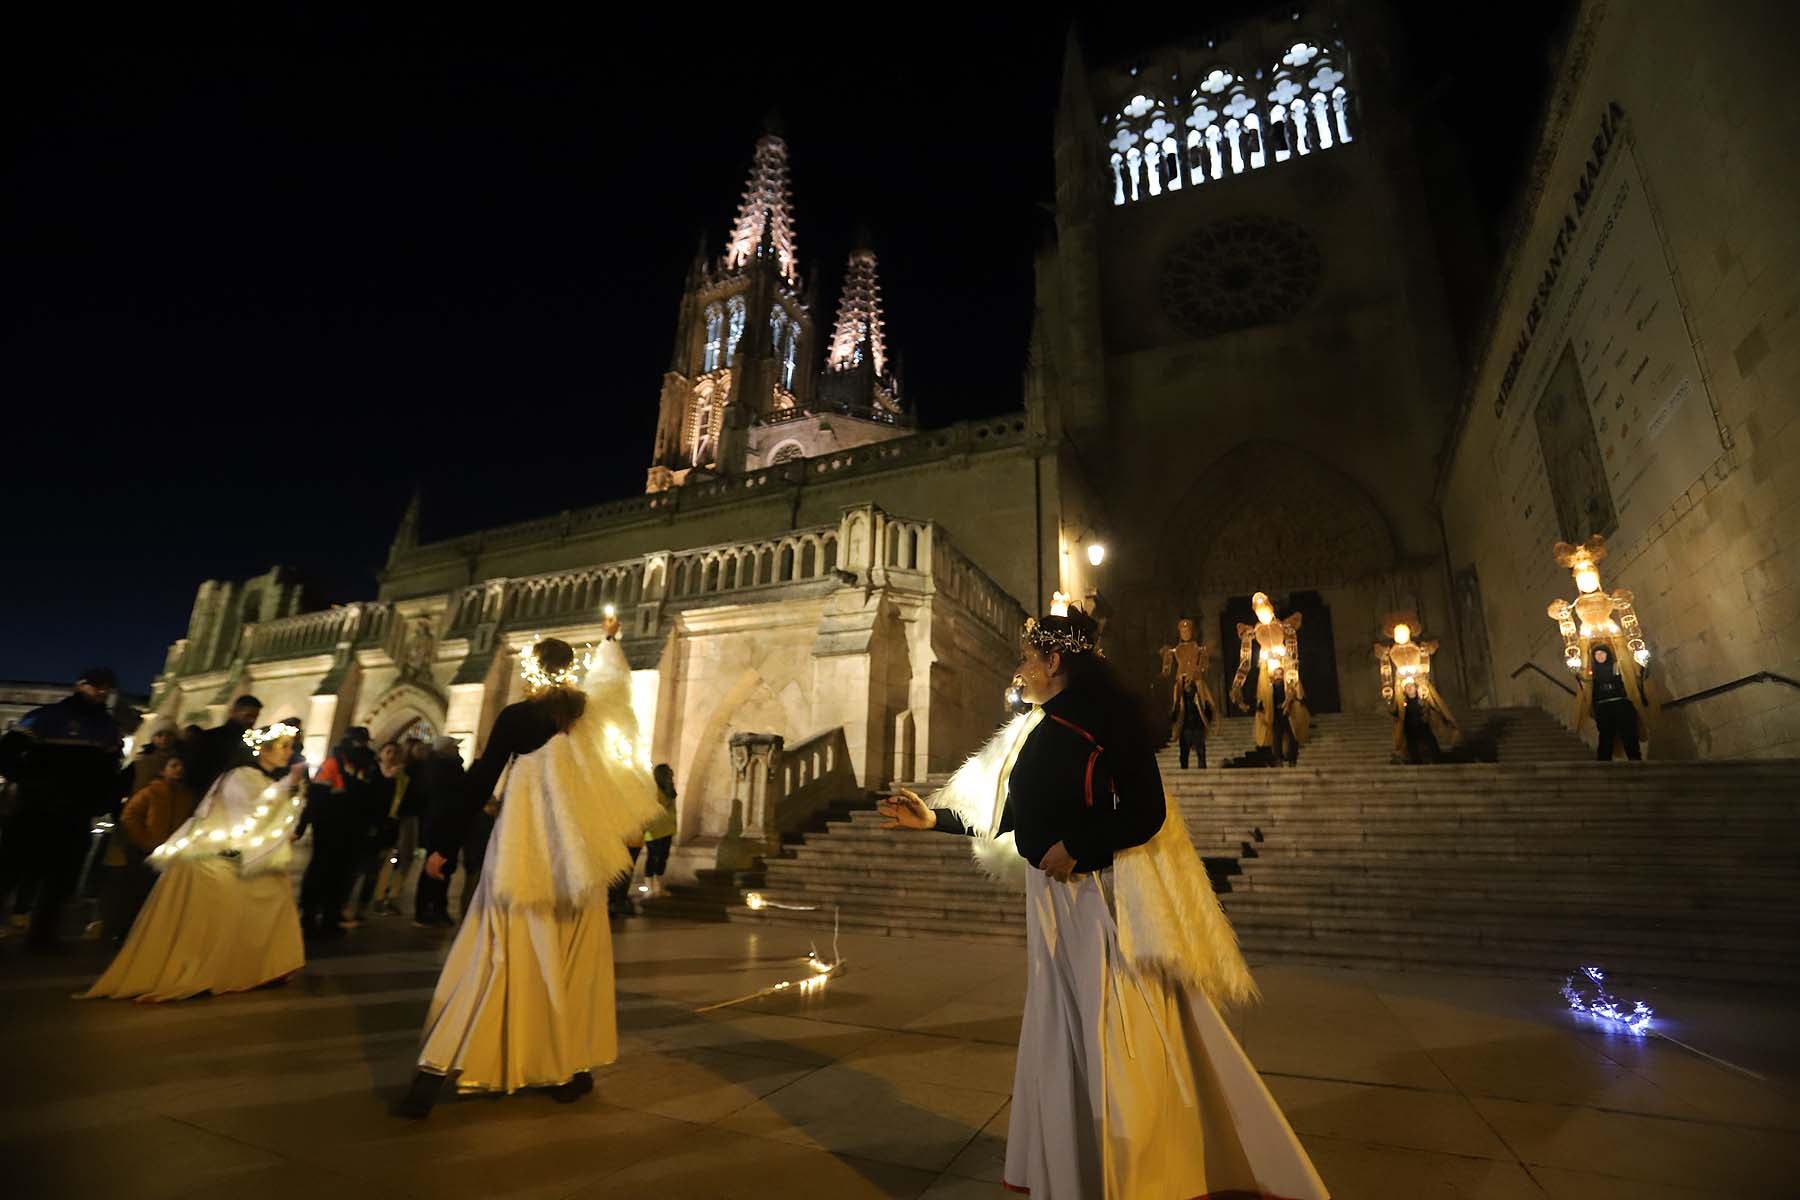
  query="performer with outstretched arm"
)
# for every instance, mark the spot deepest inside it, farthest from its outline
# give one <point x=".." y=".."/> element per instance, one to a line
<point x="1128" y="1085"/>
<point x="526" y="997"/>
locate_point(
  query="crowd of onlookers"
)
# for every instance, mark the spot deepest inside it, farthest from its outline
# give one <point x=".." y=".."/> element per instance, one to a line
<point x="71" y="818"/>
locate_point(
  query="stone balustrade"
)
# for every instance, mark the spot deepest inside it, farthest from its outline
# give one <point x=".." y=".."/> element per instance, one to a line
<point x="967" y="437"/>
<point x="319" y="632"/>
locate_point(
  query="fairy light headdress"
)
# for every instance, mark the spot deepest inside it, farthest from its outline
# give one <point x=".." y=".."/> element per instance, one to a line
<point x="256" y="738"/>
<point x="1057" y="633"/>
<point x="538" y="676"/>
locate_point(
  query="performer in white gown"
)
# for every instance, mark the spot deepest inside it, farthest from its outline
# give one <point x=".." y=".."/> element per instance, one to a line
<point x="221" y="917"/>
<point x="1129" y="1086"/>
<point x="526" y="996"/>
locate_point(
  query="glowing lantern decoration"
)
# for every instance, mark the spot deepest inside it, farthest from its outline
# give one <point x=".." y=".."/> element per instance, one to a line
<point x="1599" y="616"/>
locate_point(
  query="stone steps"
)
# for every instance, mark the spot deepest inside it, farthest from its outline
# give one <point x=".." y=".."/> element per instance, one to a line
<point x="1533" y="864"/>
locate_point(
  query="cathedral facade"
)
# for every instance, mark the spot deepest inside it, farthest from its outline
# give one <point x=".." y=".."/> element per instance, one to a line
<point x="1242" y="378"/>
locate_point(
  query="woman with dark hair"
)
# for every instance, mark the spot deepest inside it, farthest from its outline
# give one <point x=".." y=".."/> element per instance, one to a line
<point x="526" y="996"/>
<point x="1128" y="1083"/>
<point x="659" y="835"/>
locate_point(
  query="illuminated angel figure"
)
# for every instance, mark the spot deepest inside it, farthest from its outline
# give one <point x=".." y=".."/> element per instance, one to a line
<point x="1282" y="718"/>
<point x="1604" y="647"/>
<point x="525" y="998"/>
<point x="1421" y="718"/>
<point x="1192" y="710"/>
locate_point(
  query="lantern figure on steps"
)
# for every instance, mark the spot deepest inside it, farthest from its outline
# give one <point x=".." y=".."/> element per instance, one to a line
<point x="1282" y="718"/>
<point x="1604" y="647"/>
<point x="1192" y="709"/>
<point x="1421" y="718"/>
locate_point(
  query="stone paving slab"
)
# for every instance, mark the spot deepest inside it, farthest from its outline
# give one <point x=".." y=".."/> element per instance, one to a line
<point x="893" y="1080"/>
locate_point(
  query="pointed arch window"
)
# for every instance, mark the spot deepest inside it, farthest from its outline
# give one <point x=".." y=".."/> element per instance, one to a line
<point x="790" y="355"/>
<point x="715" y="333"/>
<point x="734" y="314"/>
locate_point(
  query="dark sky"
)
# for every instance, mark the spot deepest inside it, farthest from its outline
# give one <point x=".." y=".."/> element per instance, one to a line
<point x="258" y="292"/>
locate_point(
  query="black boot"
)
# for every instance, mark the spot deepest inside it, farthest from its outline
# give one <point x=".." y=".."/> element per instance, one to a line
<point x="575" y="1089"/>
<point x="421" y="1094"/>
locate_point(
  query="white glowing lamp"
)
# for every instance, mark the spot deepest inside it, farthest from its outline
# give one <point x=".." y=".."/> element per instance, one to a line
<point x="1059" y="604"/>
<point x="1587" y="579"/>
<point x="1402" y="634"/>
<point x="217" y="835"/>
<point x="609" y="611"/>
<point x="754" y="900"/>
<point x="1096" y="553"/>
<point x="1573" y="662"/>
<point x="1642" y="654"/>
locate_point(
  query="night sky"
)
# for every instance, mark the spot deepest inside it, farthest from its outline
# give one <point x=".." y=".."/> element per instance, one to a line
<point x="256" y="293"/>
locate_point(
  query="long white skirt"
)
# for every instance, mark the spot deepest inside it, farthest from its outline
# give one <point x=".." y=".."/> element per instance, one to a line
<point x="525" y="998"/>
<point x="1130" y="1088"/>
<point x="205" y="928"/>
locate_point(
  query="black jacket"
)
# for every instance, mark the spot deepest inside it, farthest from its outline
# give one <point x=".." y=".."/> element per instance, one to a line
<point x="65" y="753"/>
<point x="519" y="729"/>
<point x="1048" y="796"/>
<point x="217" y="751"/>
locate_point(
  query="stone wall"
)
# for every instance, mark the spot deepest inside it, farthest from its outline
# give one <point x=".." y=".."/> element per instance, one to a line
<point x="977" y="480"/>
<point x="873" y="644"/>
<point x="1685" y="107"/>
<point x="1254" y="372"/>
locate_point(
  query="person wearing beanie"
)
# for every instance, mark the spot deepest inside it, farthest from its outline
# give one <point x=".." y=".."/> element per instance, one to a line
<point x="64" y="757"/>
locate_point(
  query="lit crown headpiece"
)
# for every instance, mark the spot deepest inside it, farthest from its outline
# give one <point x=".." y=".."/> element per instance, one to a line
<point x="254" y="738"/>
<point x="1587" y="554"/>
<point x="1060" y="638"/>
<point x="537" y="676"/>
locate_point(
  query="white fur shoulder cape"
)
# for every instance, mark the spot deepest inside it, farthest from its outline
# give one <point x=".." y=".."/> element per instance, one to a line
<point x="1169" y="920"/>
<point x="572" y="806"/>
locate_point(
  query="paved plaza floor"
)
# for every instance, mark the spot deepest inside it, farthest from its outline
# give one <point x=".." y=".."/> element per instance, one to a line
<point x="890" y="1081"/>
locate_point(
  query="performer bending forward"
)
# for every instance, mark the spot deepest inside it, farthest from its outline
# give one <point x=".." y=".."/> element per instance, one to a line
<point x="1128" y="1085"/>
<point x="221" y="917"/>
<point x="526" y="996"/>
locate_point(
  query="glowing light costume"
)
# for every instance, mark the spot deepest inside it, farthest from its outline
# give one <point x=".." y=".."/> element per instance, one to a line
<point x="221" y="917"/>
<point x="526" y="996"/>
<point x="1406" y="660"/>
<point x="1275" y="644"/>
<point x="1188" y="660"/>
<point x="1128" y="1083"/>
<point x="1600" y="618"/>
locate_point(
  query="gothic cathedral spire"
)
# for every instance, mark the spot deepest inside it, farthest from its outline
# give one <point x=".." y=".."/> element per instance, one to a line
<point x="766" y="210"/>
<point x="743" y="339"/>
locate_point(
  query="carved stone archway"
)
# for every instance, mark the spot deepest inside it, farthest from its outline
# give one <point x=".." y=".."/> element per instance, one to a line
<point x="398" y="708"/>
<point x="1262" y="516"/>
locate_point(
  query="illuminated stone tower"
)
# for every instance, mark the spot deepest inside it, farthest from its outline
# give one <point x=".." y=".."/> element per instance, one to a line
<point x="744" y="333"/>
<point x="857" y="381"/>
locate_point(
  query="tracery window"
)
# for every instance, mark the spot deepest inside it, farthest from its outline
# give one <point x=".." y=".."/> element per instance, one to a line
<point x="1228" y="123"/>
<point x="735" y="314"/>
<point x="715" y="329"/>
<point x="790" y="355"/>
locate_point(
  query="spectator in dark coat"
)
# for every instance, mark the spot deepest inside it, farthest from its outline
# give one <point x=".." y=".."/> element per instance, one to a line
<point x="337" y="802"/>
<point x="440" y="782"/>
<point x="64" y="758"/>
<point x="222" y="748"/>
